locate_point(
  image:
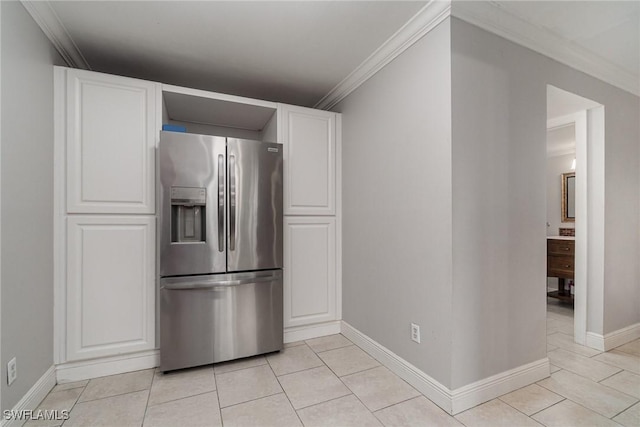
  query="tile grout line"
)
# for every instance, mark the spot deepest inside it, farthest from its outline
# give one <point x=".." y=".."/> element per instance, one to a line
<point x="283" y="390"/>
<point x="146" y="407"/>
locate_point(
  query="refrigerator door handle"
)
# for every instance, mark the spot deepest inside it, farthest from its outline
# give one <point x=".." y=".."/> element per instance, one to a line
<point x="220" y="203"/>
<point x="213" y="285"/>
<point x="232" y="202"/>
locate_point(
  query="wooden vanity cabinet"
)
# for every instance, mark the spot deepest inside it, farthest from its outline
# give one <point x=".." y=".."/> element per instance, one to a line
<point x="560" y="264"/>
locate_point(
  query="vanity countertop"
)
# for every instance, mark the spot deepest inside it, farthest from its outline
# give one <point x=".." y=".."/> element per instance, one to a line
<point x="561" y="237"/>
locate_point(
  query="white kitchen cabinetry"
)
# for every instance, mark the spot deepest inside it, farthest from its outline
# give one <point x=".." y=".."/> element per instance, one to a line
<point x="309" y="138"/>
<point x="309" y="270"/>
<point x="110" y="285"/>
<point x="111" y="138"/>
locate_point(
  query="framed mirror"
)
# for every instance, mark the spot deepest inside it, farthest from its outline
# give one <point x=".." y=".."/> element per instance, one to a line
<point x="568" y="204"/>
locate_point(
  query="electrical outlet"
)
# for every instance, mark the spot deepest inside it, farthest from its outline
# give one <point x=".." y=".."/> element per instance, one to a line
<point x="12" y="371"/>
<point x="415" y="333"/>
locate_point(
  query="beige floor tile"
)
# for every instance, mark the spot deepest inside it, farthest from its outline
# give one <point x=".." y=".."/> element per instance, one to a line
<point x="123" y="410"/>
<point x="312" y="386"/>
<point x="348" y="360"/>
<point x="555" y="325"/>
<point x="236" y="365"/>
<point x="551" y="347"/>
<point x="246" y="384"/>
<point x="531" y="399"/>
<point x="345" y="412"/>
<point x="179" y="384"/>
<point x="378" y="388"/>
<point x="625" y="382"/>
<point x="272" y="411"/>
<point x="566" y="342"/>
<point x="495" y="413"/>
<point x="99" y="388"/>
<point x="604" y="400"/>
<point x="195" y="411"/>
<point x="69" y="386"/>
<point x="293" y="359"/>
<point x="630" y="417"/>
<point x="588" y="368"/>
<point x="56" y="401"/>
<point x="417" y="412"/>
<point x="553" y="368"/>
<point x="626" y="361"/>
<point x="329" y="342"/>
<point x="568" y="413"/>
<point x="632" y="348"/>
<point x="293" y="344"/>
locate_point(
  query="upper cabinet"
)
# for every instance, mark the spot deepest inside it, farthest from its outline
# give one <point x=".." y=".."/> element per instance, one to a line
<point x="309" y="138"/>
<point x="112" y="124"/>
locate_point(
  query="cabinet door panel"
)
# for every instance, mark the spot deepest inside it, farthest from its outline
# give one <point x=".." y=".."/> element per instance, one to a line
<point x="309" y="270"/>
<point x="110" y="285"/>
<point x="110" y="144"/>
<point x="309" y="168"/>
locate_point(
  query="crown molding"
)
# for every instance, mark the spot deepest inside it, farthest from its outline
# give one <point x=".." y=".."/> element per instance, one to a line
<point x="492" y="17"/>
<point x="420" y="24"/>
<point x="49" y="23"/>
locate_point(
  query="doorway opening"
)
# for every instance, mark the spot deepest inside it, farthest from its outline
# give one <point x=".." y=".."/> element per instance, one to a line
<point x="575" y="215"/>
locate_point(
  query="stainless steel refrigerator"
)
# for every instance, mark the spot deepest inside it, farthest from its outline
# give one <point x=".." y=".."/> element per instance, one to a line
<point x="220" y="240"/>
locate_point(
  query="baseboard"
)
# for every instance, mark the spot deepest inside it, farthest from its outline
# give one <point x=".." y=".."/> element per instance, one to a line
<point x="34" y="396"/>
<point x="103" y="366"/>
<point x="299" y="333"/>
<point x="452" y="401"/>
<point x="613" y="339"/>
<point x="489" y="388"/>
<point x="432" y="389"/>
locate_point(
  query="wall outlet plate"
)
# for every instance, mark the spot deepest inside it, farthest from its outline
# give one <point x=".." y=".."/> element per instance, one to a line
<point x="415" y="333"/>
<point x="12" y="371"/>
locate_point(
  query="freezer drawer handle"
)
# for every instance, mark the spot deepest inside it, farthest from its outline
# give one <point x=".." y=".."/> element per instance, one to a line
<point x="232" y="203"/>
<point x="220" y="203"/>
<point x="223" y="283"/>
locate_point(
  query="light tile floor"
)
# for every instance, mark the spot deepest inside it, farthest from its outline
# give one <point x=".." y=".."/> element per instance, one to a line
<point x="331" y="382"/>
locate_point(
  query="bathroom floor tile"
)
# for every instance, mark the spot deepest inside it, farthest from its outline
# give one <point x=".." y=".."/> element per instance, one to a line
<point x="495" y="413"/>
<point x="568" y="413"/>
<point x="625" y="382"/>
<point x="631" y="348"/>
<point x="378" y="388"/>
<point x="69" y="386"/>
<point x="630" y="417"/>
<point x="272" y="411"/>
<point x="597" y="397"/>
<point x="564" y="341"/>
<point x="329" y="342"/>
<point x="123" y="410"/>
<point x="99" y="388"/>
<point x="56" y="401"/>
<point x="246" y="384"/>
<point x="531" y="399"/>
<point x="293" y="359"/>
<point x="194" y="411"/>
<point x="626" y="361"/>
<point x="236" y="365"/>
<point x="581" y="365"/>
<point x="417" y="412"/>
<point x="344" y="412"/>
<point x="312" y="386"/>
<point x="179" y="384"/>
<point x="348" y="360"/>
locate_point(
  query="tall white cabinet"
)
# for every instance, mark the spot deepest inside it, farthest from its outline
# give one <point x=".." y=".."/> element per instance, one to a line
<point x="312" y="288"/>
<point x="107" y="130"/>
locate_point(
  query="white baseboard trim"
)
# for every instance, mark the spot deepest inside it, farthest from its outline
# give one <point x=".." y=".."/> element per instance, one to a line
<point x="489" y="388"/>
<point x="435" y="391"/>
<point x="299" y="333"/>
<point x="34" y="396"/>
<point x="103" y="366"/>
<point x="613" y="339"/>
<point x="452" y="401"/>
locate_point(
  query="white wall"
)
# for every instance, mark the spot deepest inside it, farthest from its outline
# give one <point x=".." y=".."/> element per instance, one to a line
<point x="556" y="166"/>
<point x="27" y="200"/>
<point x="397" y="205"/>
<point x="499" y="156"/>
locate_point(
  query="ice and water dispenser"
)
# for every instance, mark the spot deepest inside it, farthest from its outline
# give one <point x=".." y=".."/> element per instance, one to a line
<point x="188" y="214"/>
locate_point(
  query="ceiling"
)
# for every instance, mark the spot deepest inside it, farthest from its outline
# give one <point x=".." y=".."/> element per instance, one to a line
<point x="313" y="53"/>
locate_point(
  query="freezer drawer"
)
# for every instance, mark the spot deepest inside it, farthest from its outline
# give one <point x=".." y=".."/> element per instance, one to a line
<point x="213" y="318"/>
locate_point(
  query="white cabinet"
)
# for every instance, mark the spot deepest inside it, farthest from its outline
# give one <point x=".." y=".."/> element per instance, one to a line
<point x="111" y="138"/>
<point x="110" y="285"/>
<point x="309" y="270"/>
<point x="309" y="138"/>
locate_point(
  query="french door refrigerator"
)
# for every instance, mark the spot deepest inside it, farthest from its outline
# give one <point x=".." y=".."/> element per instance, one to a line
<point x="220" y="240"/>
